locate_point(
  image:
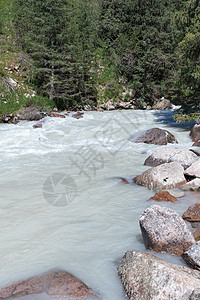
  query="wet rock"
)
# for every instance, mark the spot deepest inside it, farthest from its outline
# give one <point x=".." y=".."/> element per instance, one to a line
<point x="197" y="234"/>
<point x="167" y="155"/>
<point x="30" y="114"/>
<point x="146" y="277"/>
<point x="165" y="176"/>
<point x="10" y="119"/>
<point x="176" y="193"/>
<point x="55" y="115"/>
<point x="163" y="230"/>
<point x="163" y="196"/>
<point x="156" y="136"/>
<point x="196" y="152"/>
<point x="194" y="169"/>
<point x="78" y="115"/>
<point x="192" y="214"/>
<point x="39" y="124"/>
<point x="197" y="144"/>
<point x="124" y="180"/>
<point x="162" y="104"/>
<point x="58" y="283"/>
<point x="192" y="256"/>
<point x="193" y="185"/>
<point x="195" y="295"/>
<point x="195" y="133"/>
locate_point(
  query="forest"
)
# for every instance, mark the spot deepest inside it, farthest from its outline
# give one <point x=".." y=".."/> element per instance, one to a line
<point x="69" y="51"/>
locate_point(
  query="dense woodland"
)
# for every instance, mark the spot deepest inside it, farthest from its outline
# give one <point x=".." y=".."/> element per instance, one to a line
<point x="74" y="47"/>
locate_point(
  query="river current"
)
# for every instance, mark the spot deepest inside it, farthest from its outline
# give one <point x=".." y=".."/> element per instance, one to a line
<point x="62" y="203"/>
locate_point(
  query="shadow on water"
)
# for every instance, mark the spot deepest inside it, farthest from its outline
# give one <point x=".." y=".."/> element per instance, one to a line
<point x="166" y="117"/>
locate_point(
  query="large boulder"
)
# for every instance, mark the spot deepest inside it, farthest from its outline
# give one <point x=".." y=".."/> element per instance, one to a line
<point x="167" y="155"/>
<point x="194" y="169"/>
<point x="192" y="256"/>
<point x="165" y="176"/>
<point x="163" y="230"/>
<point x="163" y="196"/>
<point x="162" y="104"/>
<point x="30" y="114"/>
<point x="156" y="136"/>
<point x="195" y="134"/>
<point x="58" y="283"/>
<point x="192" y="214"/>
<point x="147" y="277"/>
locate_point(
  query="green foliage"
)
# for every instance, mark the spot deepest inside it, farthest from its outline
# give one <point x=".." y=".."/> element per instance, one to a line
<point x="83" y="50"/>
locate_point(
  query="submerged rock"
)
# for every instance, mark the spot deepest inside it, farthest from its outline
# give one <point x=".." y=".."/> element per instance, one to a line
<point x="156" y="136"/>
<point x="146" y="277"/>
<point x="78" y="115"/>
<point x="192" y="256"/>
<point x="192" y="214"/>
<point x="165" y="176"/>
<point x="163" y="196"/>
<point x="39" y="124"/>
<point x="56" y="115"/>
<point x="166" y="155"/>
<point x="58" y="283"/>
<point x="163" y="230"/>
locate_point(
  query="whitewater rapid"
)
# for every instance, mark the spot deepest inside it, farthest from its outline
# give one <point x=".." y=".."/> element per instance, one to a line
<point x="62" y="204"/>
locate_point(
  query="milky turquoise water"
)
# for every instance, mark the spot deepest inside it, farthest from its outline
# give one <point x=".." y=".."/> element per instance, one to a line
<point x="86" y="222"/>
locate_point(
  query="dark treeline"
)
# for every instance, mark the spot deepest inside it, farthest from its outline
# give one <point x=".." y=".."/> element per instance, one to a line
<point x="153" y="46"/>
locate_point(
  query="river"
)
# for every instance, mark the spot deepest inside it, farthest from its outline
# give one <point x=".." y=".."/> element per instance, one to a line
<point x="62" y="202"/>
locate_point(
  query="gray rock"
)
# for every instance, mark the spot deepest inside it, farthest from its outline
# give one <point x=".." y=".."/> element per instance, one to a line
<point x="176" y="193"/>
<point x="156" y="136"/>
<point x="163" y="177"/>
<point x="166" y="155"/>
<point x="192" y="185"/>
<point x="146" y="277"/>
<point x="162" y="104"/>
<point x="192" y="256"/>
<point x="195" y="295"/>
<point x="164" y="230"/>
<point x="195" y="133"/>
<point x="194" y="169"/>
<point x="30" y="114"/>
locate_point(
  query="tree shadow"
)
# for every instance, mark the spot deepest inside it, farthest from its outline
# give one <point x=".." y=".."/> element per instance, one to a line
<point x="166" y="117"/>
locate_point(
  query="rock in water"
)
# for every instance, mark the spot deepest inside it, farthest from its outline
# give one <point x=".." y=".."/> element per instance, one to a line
<point x="58" y="283"/>
<point x="30" y="114"/>
<point x="192" y="256"/>
<point x="195" y="133"/>
<point x="192" y="214"/>
<point x="165" y="176"/>
<point x="194" y="169"/>
<point x="163" y="230"/>
<point x="156" y="136"/>
<point x="197" y="234"/>
<point x="166" y="155"/>
<point x="163" y="196"/>
<point x="193" y="185"/>
<point x="146" y="277"/>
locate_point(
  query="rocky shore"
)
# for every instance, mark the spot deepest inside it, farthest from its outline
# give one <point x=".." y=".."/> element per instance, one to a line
<point x="144" y="276"/>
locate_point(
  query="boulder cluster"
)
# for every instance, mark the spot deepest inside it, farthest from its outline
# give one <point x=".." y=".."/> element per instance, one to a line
<point x="143" y="275"/>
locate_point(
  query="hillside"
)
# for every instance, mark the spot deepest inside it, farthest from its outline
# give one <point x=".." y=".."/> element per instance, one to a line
<point x="73" y="54"/>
